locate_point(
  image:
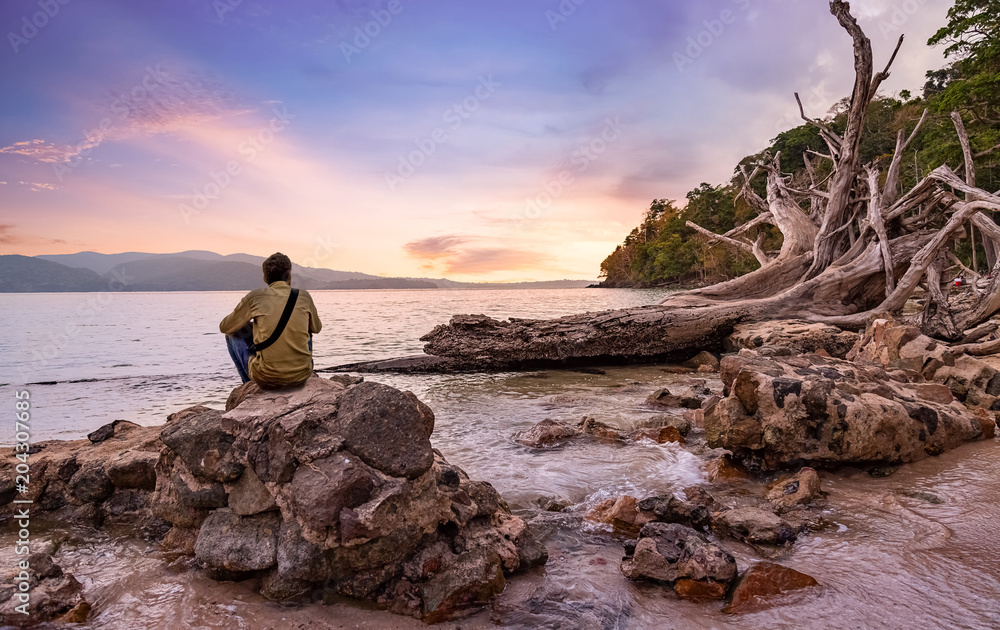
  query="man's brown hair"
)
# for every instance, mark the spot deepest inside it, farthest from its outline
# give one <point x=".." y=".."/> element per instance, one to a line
<point x="277" y="267"/>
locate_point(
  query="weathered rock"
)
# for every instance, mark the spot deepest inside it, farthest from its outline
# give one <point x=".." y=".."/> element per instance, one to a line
<point x="465" y="584"/>
<point x="669" y="509"/>
<point x="238" y="543"/>
<point x="670" y="552"/>
<point x="688" y="398"/>
<point x="320" y="491"/>
<point x="118" y="427"/>
<point x="700" y="591"/>
<point x="623" y="514"/>
<point x="133" y="469"/>
<point x="387" y="429"/>
<point x="661" y="435"/>
<point x="52" y="593"/>
<point x="546" y="433"/>
<point x="754" y="525"/>
<point x="796" y="336"/>
<point x="196" y="435"/>
<point x="723" y="469"/>
<point x="91" y="484"/>
<point x="347" y="379"/>
<point x="761" y="583"/>
<point x="783" y="412"/>
<point x="248" y="496"/>
<point x="594" y="428"/>
<point x="683" y="424"/>
<point x="801" y="488"/>
<point x="704" y="358"/>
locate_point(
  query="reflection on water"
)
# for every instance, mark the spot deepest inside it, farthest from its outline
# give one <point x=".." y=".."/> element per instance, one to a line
<point x="914" y="550"/>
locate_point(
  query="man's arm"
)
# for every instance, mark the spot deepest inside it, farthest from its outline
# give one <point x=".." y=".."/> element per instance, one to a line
<point x="238" y="318"/>
<point x="314" y="324"/>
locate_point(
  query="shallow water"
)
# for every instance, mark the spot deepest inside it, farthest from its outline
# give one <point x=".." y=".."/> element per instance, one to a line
<point x="888" y="557"/>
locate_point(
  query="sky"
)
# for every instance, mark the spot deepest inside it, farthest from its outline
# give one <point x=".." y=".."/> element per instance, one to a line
<point x="495" y="140"/>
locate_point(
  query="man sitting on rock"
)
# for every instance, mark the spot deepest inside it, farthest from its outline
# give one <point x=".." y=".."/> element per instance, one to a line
<point x="269" y="334"/>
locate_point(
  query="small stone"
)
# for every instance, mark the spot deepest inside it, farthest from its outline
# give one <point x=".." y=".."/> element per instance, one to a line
<point x="761" y="583"/>
<point x="699" y="590"/>
<point x="801" y="488"/>
<point x="703" y="358"/>
<point x="546" y="433"/>
<point x="723" y="469"/>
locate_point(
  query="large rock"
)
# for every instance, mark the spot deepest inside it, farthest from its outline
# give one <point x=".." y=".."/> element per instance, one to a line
<point x="782" y="412"/>
<point x="238" y="543"/>
<point x="390" y="430"/>
<point x="340" y="488"/>
<point x="678" y="555"/>
<point x="793" y="336"/>
<point x="196" y="435"/>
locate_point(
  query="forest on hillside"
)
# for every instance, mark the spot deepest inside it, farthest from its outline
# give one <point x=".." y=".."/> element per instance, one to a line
<point x="714" y="235"/>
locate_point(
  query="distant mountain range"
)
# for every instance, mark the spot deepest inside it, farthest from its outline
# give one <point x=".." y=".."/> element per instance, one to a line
<point x="200" y="271"/>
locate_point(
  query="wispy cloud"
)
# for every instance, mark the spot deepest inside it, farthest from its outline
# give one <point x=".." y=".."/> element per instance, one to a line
<point x="450" y="251"/>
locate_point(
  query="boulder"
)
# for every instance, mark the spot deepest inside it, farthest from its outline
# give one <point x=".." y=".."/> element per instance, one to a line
<point x="196" y="435"/>
<point x="546" y="433"/>
<point x="779" y="413"/>
<point x="761" y="583"/>
<point x="133" y="469"/>
<point x="237" y="543"/>
<point x="675" y="554"/>
<point x="801" y="488"/>
<point x="794" y="336"/>
<point x="754" y="525"/>
<point x="339" y="487"/>
<point x="388" y="429"/>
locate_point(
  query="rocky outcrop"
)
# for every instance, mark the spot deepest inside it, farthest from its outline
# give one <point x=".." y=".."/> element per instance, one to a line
<point x="788" y="411"/>
<point x="337" y="489"/>
<point x="789" y="337"/>
<point x="762" y="583"/>
<point x="107" y="478"/>
<point x="331" y="488"/>
<point x="680" y="556"/>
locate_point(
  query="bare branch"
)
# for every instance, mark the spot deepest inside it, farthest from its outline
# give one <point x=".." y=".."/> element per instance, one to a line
<point x="890" y="190"/>
<point x="875" y="220"/>
<point x="963" y="138"/>
<point x="713" y="237"/>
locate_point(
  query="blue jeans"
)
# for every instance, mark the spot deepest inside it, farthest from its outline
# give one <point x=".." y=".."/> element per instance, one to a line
<point x="238" y="345"/>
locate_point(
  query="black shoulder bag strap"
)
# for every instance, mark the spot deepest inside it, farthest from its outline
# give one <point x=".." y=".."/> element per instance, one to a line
<point x="285" y="316"/>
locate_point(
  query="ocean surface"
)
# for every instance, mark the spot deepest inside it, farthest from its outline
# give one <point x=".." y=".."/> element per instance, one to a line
<point x="887" y="557"/>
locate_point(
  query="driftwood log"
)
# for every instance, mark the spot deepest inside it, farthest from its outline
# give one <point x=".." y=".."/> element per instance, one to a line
<point x="853" y="245"/>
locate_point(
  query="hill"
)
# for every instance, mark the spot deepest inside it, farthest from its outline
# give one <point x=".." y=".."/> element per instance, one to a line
<point x="19" y="274"/>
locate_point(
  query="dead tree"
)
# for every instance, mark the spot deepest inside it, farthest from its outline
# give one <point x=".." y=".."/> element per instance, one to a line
<point x="853" y="246"/>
